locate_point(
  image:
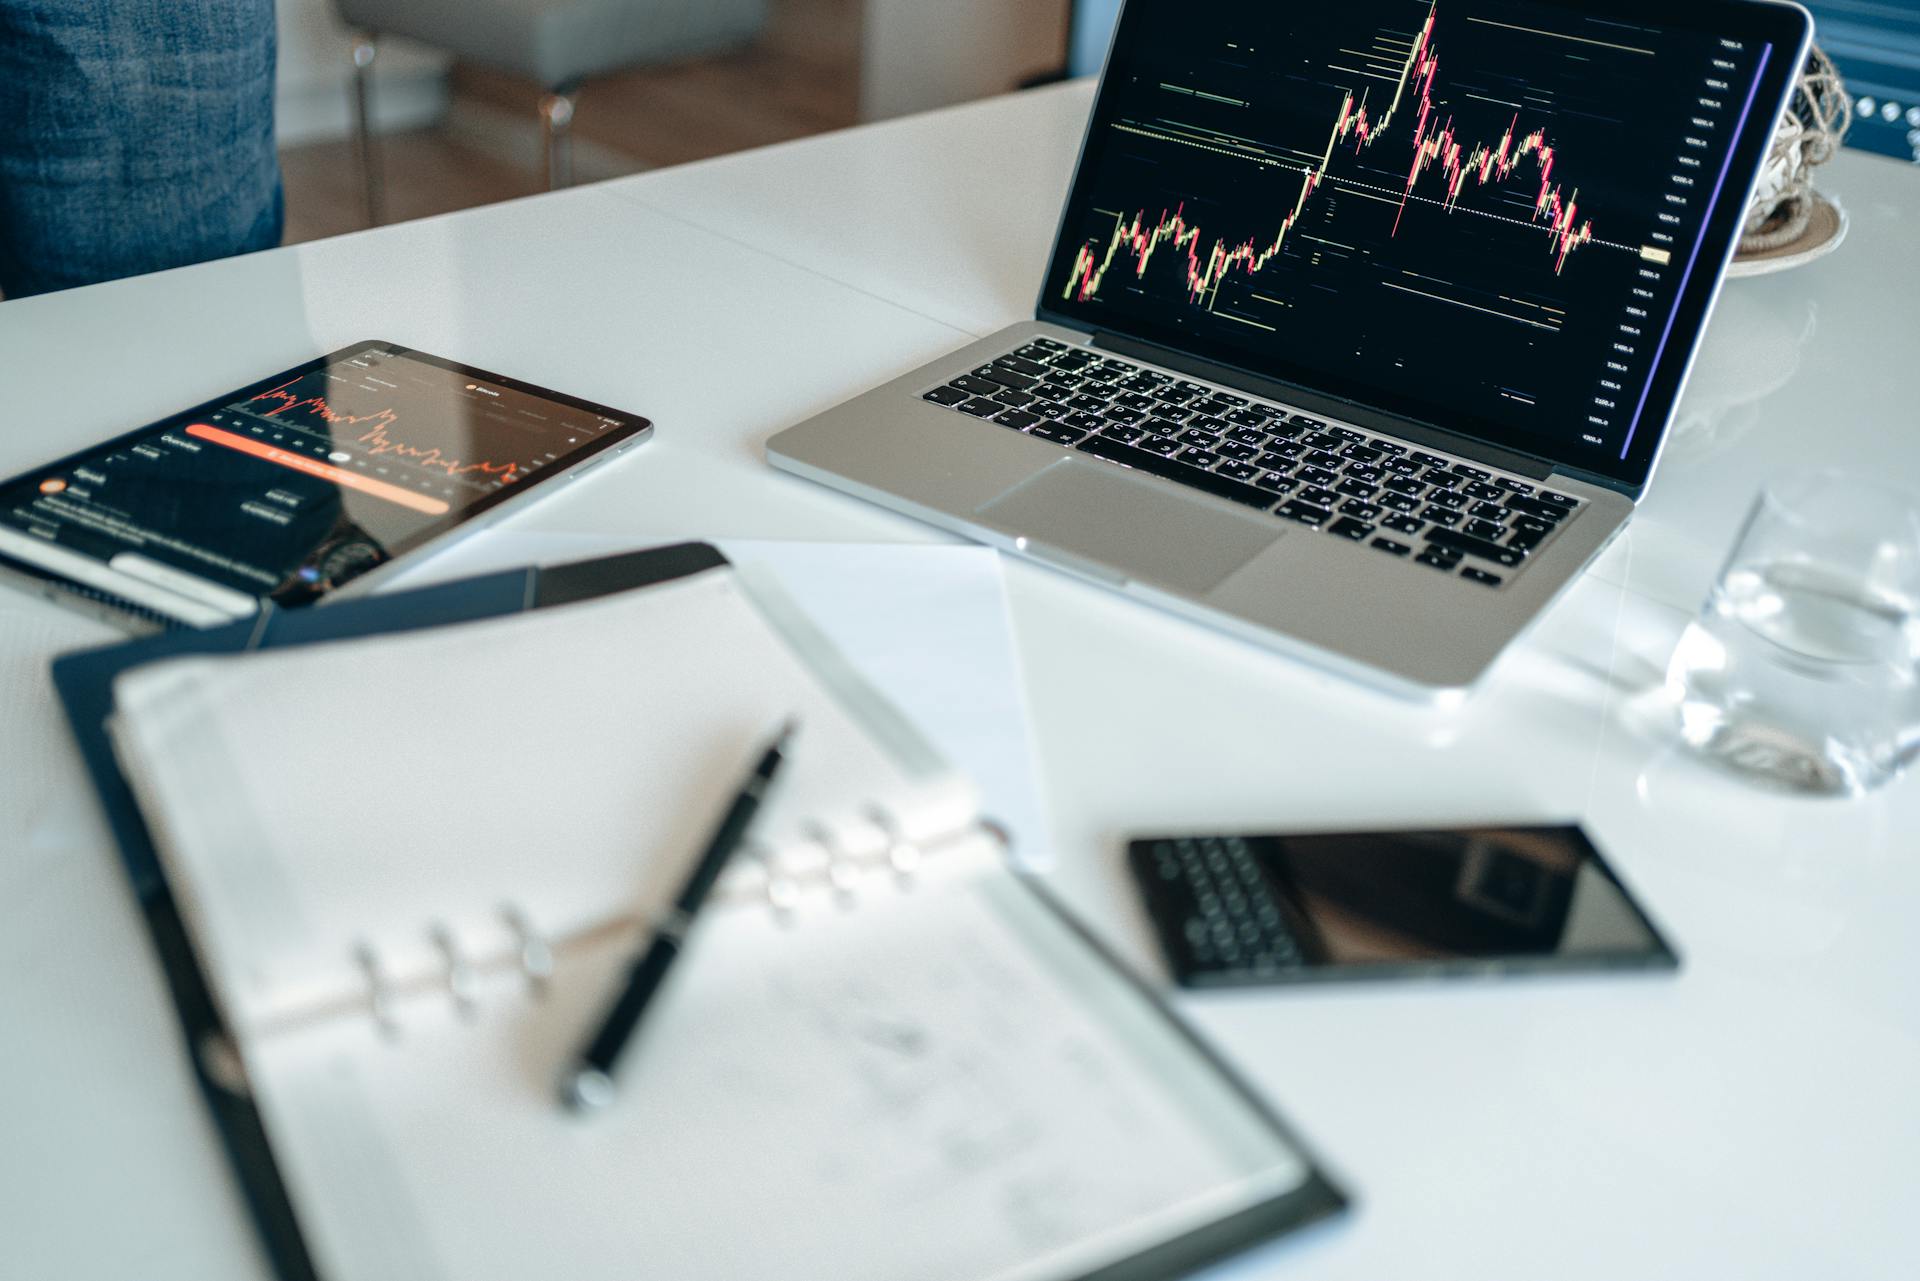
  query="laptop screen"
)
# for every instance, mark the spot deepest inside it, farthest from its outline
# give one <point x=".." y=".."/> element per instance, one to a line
<point x="1503" y="219"/>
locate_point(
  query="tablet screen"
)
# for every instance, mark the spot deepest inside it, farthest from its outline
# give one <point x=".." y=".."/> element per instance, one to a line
<point x="304" y="481"/>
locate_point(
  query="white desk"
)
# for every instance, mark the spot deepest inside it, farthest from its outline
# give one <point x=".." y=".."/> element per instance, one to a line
<point x="1754" y="1117"/>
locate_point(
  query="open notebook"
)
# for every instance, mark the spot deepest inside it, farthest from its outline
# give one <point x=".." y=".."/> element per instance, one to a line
<point x="413" y="867"/>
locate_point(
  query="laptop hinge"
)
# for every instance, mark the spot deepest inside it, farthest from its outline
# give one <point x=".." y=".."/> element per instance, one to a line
<point x="1479" y="451"/>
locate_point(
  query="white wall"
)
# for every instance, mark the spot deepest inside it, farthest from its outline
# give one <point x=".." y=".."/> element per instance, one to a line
<point x="311" y="98"/>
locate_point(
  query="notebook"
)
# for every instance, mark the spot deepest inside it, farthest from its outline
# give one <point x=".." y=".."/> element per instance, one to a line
<point x="412" y="867"/>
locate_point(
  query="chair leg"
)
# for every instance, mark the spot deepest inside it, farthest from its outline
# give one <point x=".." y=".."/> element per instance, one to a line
<point x="364" y="50"/>
<point x="556" y="120"/>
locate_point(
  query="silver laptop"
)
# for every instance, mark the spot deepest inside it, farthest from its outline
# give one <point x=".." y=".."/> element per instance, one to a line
<point x="1364" y="324"/>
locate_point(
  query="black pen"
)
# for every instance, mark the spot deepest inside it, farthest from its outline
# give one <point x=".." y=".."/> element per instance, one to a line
<point x="588" y="1081"/>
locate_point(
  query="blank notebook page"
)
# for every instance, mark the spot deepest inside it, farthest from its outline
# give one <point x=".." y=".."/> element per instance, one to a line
<point x="567" y="762"/>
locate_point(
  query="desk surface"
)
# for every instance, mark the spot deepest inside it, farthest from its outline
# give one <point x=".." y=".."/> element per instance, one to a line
<point x="1753" y="1117"/>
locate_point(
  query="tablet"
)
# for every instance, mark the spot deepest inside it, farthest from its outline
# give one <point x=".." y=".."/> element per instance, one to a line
<point x="293" y="488"/>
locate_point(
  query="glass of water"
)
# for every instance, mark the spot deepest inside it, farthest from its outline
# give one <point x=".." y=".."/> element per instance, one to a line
<point x="1804" y="664"/>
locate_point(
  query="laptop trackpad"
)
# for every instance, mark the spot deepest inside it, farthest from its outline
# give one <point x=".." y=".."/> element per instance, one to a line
<point x="1127" y="523"/>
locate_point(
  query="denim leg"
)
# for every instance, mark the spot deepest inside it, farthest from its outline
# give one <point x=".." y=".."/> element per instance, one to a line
<point x="135" y="135"/>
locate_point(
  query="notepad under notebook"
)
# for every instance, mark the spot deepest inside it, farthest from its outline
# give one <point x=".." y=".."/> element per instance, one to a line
<point x="413" y="867"/>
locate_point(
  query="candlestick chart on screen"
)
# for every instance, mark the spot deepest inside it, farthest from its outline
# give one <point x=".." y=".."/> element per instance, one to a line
<point x="1486" y="204"/>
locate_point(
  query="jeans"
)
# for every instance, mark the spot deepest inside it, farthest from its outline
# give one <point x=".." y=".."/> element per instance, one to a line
<point x="135" y="135"/>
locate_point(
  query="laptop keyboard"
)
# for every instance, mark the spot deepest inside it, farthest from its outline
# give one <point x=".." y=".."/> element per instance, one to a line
<point x="1441" y="512"/>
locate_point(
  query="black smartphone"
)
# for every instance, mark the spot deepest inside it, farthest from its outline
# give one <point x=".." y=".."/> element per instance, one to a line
<point x="1252" y="910"/>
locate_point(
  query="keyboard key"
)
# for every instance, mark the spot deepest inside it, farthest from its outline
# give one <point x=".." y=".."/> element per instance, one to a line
<point x="1239" y="471"/>
<point x="1084" y="421"/>
<point x="1021" y="365"/>
<point x="1139" y="384"/>
<point x="1402" y="524"/>
<point x="1348" y="527"/>
<point x="1122" y="414"/>
<point x="1472" y="546"/>
<point x="1005" y="377"/>
<point x="1387" y="446"/>
<point x="1442" y="563"/>
<point x="1121" y="432"/>
<point x="1491" y="530"/>
<point x="1480" y="489"/>
<point x="1052" y="391"/>
<point x="1488" y="511"/>
<point x="1345" y="433"/>
<point x="1388" y="545"/>
<point x="1404" y="466"/>
<point x="1191" y="436"/>
<point x="1133" y="400"/>
<point x="1441" y="516"/>
<point x="1530" y="525"/>
<point x="1405" y="485"/>
<point x="1087" y="401"/>
<point x="1365" y="472"/>
<point x="1014" y="398"/>
<point x="1399" y="502"/>
<point x="1172" y="396"/>
<point x="1558" y="500"/>
<point x="1284" y="430"/>
<point x="1525" y="542"/>
<point x="1247" y="417"/>
<point x="1020" y="420"/>
<point x="1165" y="446"/>
<point x="980" y="407"/>
<point x="1316" y="476"/>
<point x="1228" y="398"/>
<point x="1049" y="344"/>
<point x="1355" y="489"/>
<point x="1322" y="440"/>
<point x="1275" y="481"/>
<point x="1287" y="452"/>
<point x="1195" y="457"/>
<point x="1432" y="460"/>
<point x="1471" y="473"/>
<point x="1359" y="510"/>
<point x="1305" y="513"/>
<point x="945" y="395"/>
<point x="1248" y="436"/>
<point x="1513" y="486"/>
<point x="1534" y="507"/>
<point x="1057" y="434"/>
<point x="1319" y="497"/>
<point x="976" y="386"/>
<point x="1481" y="576"/>
<point x="1441" y="479"/>
<point x="1447" y="498"/>
<point x="1311" y="424"/>
<point x="1235" y="450"/>
<point x="1154" y="464"/>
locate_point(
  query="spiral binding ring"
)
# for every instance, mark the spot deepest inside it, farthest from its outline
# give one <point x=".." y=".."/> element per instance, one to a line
<point x="843" y="874"/>
<point x="379" y="991"/>
<point x="903" y="856"/>
<point x="461" y="978"/>
<point x="536" y="954"/>
<point x="783" y="892"/>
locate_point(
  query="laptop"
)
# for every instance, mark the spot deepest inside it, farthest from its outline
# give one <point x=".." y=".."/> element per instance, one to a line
<point x="1364" y="324"/>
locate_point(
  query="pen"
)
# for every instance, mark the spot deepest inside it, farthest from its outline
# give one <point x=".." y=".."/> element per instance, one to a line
<point x="587" y="1083"/>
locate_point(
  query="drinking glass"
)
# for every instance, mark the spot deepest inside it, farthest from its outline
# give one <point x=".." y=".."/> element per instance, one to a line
<point x="1804" y="664"/>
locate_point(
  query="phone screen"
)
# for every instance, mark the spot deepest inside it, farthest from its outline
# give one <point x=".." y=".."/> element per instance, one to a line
<point x="1280" y="908"/>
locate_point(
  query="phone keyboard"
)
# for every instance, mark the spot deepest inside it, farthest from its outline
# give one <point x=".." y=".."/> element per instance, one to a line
<point x="1218" y="917"/>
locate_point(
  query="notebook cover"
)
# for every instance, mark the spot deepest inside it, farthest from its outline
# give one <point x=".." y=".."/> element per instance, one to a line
<point x="84" y="682"/>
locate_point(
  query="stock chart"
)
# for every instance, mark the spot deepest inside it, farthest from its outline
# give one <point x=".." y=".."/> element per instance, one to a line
<point x="1488" y="206"/>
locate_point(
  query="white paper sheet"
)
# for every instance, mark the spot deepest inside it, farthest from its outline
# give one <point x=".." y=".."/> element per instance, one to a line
<point x="926" y="625"/>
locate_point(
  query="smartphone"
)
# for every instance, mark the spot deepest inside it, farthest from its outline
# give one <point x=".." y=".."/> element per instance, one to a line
<point x="1235" y="911"/>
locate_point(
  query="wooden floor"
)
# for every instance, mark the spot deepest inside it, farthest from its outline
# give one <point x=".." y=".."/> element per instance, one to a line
<point x="800" y="77"/>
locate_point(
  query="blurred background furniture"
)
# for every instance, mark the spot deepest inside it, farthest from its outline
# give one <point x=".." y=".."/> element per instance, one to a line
<point x="559" y="44"/>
